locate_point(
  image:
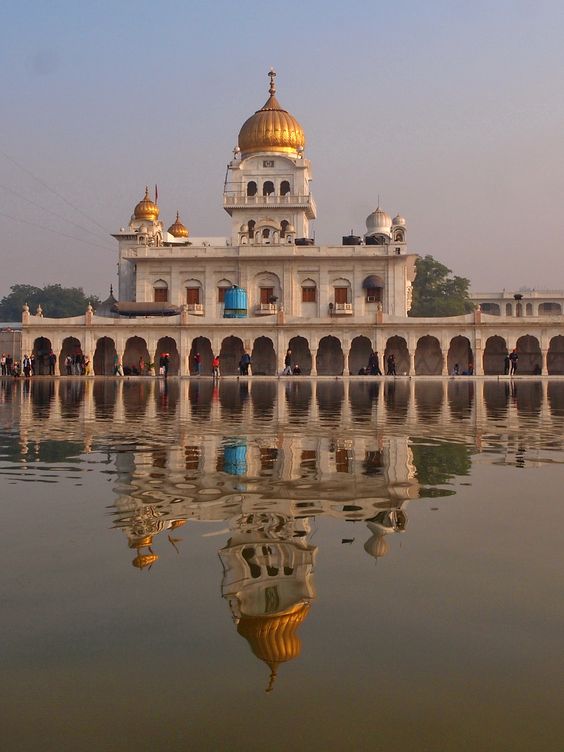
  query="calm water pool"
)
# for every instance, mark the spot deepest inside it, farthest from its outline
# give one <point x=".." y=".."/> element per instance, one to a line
<point x="271" y="566"/>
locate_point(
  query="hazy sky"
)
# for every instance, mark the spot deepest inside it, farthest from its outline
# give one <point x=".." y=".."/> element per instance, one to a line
<point x="451" y="111"/>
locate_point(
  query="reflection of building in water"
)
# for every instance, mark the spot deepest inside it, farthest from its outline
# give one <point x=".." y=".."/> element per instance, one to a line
<point x="268" y="583"/>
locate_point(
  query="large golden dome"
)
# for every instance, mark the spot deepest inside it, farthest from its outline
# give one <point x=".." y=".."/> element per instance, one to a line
<point x="178" y="230"/>
<point x="146" y="209"/>
<point x="273" y="637"/>
<point x="271" y="128"/>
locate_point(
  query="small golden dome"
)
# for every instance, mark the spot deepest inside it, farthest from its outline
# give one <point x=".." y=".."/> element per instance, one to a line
<point x="271" y="128"/>
<point x="146" y="209"/>
<point x="178" y="229"/>
<point x="273" y="637"/>
<point x="141" y="561"/>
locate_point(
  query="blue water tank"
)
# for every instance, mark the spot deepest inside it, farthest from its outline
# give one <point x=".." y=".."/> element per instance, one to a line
<point x="235" y="457"/>
<point x="235" y="303"/>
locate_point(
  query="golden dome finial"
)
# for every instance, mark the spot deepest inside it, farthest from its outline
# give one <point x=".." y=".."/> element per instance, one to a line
<point x="272" y="75"/>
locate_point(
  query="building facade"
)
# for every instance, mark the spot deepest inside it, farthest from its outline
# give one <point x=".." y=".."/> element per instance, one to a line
<point x="330" y="305"/>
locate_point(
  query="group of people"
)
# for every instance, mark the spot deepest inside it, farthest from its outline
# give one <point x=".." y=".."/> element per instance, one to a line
<point x="27" y="366"/>
<point x="244" y="365"/>
<point x="77" y="365"/>
<point x="373" y="366"/>
<point x="290" y="368"/>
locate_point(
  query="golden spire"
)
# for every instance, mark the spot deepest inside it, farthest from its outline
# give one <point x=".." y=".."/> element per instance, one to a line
<point x="272" y="75"/>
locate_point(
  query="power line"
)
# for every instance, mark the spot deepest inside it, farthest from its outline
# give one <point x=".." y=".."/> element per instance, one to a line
<point x="56" y="232"/>
<point x="49" y="211"/>
<point x="53" y="190"/>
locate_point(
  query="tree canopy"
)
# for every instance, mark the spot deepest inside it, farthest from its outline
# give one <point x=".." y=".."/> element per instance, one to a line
<point x="55" y="300"/>
<point x="436" y="292"/>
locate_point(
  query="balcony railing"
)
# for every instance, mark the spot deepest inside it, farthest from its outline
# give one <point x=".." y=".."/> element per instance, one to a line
<point x="197" y="308"/>
<point x="341" y="308"/>
<point x="295" y="201"/>
<point x="265" y="309"/>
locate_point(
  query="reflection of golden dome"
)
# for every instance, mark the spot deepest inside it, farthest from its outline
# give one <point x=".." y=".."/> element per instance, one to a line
<point x="178" y="229"/>
<point x="144" y="560"/>
<point x="273" y="637"/>
<point x="177" y="523"/>
<point x="146" y="209"/>
<point x="271" y="128"/>
<point x="147" y="540"/>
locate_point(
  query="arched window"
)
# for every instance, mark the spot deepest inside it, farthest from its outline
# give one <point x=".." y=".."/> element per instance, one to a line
<point x="222" y="286"/>
<point x="398" y="236"/>
<point x="283" y="227"/>
<point x="268" y="188"/>
<point x="309" y="291"/>
<point x="342" y="290"/>
<point x="284" y="188"/>
<point x="251" y="224"/>
<point x="529" y="309"/>
<point x="266" y="233"/>
<point x="160" y="291"/>
<point x="374" y="288"/>
<point x="251" y="188"/>
<point x="193" y="292"/>
<point x="508" y="309"/>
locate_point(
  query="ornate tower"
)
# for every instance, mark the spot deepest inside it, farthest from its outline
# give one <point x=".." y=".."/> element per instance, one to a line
<point x="267" y="186"/>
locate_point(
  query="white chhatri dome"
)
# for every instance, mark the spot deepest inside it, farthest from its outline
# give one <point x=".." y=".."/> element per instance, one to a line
<point x="398" y="220"/>
<point x="378" y="221"/>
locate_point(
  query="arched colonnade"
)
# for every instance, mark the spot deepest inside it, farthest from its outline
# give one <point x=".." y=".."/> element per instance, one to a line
<point x="329" y="355"/>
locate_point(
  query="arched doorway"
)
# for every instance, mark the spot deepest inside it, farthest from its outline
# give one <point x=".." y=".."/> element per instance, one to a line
<point x="71" y="348"/>
<point x="361" y="348"/>
<point x="397" y="346"/>
<point x="301" y="354"/>
<point x="530" y="358"/>
<point x="104" y="357"/>
<point x="230" y="355"/>
<point x="201" y="345"/>
<point x="42" y="348"/>
<point x="428" y="356"/>
<point x="135" y="349"/>
<point x="555" y="357"/>
<point x="263" y="357"/>
<point x="494" y="355"/>
<point x="330" y="359"/>
<point x="460" y="353"/>
<point x="168" y="345"/>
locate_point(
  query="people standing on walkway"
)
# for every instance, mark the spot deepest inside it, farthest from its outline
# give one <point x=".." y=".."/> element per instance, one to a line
<point x="506" y="364"/>
<point x="166" y="363"/>
<point x="32" y="361"/>
<point x="287" y="363"/>
<point x="68" y="365"/>
<point x="87" y="366"/>
<point x="26" y="363"/>
<point x="244" y="364"/>
<point x="141" y="366"/>
<point x="51" y="361"/>
<point x="391" y="363"/>
<point x="297" y="371"/>
<point x="514" y="357"/>
<point x="9" y="365"/>
<point x="215" y="367"/>
<point x="3" y="365"/>
<point x="197" y="363"/>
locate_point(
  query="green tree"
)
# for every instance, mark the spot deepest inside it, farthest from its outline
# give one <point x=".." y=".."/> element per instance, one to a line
<point x="55" y="300"/>
<point x="436" y="292"/>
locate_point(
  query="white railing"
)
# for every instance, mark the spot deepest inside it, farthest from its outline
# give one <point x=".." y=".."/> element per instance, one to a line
<point x="342" y="308"/>
<point x="195" y="308"/>
<point x="265" y="308"/>
<point x="234" y="199"/>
